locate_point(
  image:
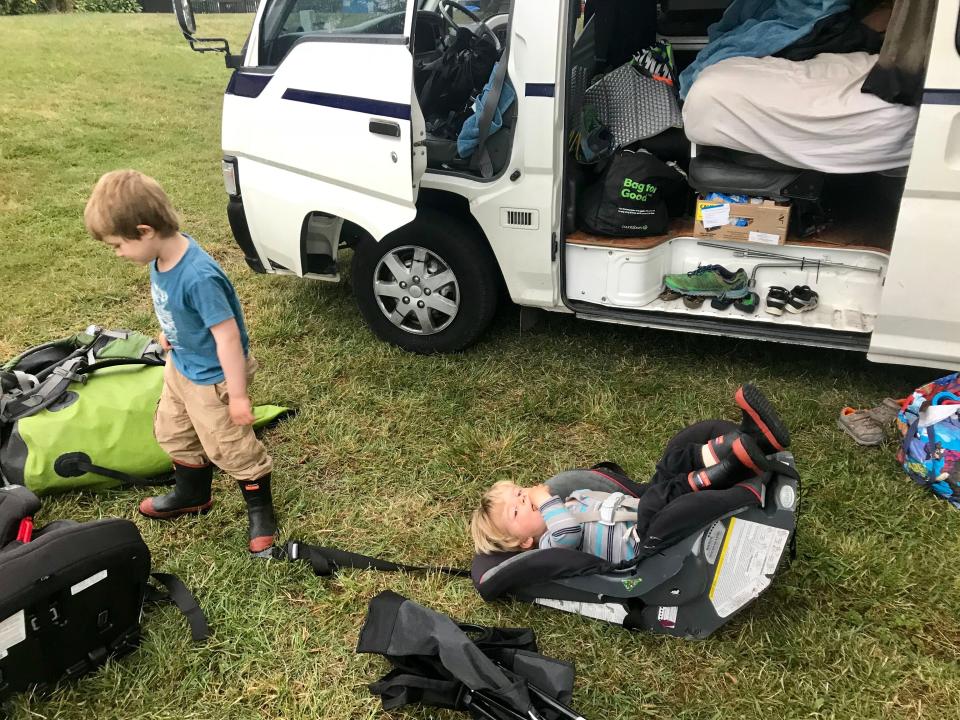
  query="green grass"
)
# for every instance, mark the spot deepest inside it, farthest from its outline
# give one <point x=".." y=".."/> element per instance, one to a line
<point x="391" y="451"/>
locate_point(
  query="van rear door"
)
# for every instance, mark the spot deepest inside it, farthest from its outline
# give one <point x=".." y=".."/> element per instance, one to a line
<point x="323" y="118"/>
<point x="919" y="319"/>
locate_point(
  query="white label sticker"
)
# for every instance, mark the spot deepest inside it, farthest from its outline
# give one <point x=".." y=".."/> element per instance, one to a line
<point x="711" y="544"/>
<point x="667" y="616"/>
<point x="762" y="237"/>
<point x="92" y="580"/>
<point x="13" y="630"/>
<point x="750" y="554"/>
<point x="715" y="216"/>
<point x="608" y="612"/>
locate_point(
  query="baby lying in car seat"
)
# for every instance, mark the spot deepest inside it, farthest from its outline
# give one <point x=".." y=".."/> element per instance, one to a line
<point x="613" y="526"/>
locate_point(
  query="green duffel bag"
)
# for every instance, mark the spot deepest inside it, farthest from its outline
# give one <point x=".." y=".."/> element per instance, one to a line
<point x="77" y="413"/>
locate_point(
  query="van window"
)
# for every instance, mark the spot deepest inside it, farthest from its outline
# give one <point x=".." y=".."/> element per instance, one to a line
<point x="286" y="21"/>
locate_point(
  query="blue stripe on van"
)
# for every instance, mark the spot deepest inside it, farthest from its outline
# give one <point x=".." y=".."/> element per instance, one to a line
<point x="941" y="97"/>
<point x="346" y="102"/>
<point x="540" y="89"/>
<point x="247" y="84"/>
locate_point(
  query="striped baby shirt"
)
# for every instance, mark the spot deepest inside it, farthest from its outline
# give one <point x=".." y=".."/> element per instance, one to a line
<point x="614" y="543"/>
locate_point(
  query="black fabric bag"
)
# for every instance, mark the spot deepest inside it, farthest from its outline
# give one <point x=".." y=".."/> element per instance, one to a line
<point x="632" y="197"/>
<point x="72" y="594"/>
<point x="492" y="673"/>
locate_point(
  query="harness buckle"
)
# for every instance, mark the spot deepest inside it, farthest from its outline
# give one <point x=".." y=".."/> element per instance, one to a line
<point x="609" y="507"/>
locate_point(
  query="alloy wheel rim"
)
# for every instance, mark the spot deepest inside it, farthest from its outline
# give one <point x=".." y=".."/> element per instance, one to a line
<point x="416" y="290"/>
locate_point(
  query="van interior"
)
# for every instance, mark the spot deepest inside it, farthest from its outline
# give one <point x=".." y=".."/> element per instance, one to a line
<point x="754" y="128"/>
<point x="843" y="210"/>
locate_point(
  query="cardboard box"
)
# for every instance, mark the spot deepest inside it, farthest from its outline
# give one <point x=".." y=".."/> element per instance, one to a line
<point x="766" y="222"/>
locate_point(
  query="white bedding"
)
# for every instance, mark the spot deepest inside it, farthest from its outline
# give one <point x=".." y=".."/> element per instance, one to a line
<point x="808" y="114"/>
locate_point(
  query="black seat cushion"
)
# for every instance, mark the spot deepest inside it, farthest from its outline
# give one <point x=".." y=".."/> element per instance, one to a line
<point x="731" y="171"/>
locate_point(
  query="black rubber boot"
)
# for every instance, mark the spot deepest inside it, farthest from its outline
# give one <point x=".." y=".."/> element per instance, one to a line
<point x="761" y="421"/>
<point x="190" y="495"/>
<point x="720" y="447"/>
<point x="263" y="524"/>
<point x="745" y="460"/>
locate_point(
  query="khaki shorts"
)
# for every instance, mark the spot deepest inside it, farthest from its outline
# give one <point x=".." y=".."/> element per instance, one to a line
<point x="193" y="427"/>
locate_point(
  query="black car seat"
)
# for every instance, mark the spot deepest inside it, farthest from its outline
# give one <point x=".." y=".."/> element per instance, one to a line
<point x="717" y="551"/>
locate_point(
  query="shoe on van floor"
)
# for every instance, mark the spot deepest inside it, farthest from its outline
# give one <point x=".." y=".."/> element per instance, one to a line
<point x="776" y="300"/>
<point x="709" y="281"/>
<point x="802" y="299"/>
<point x="748" y="303"/>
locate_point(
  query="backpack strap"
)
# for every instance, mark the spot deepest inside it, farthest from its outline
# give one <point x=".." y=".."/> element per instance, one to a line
<point x="327" y="560"/>
<point x="186" y="603"/>
<point x="23" y="403"/>
<point x="76" y="464"/>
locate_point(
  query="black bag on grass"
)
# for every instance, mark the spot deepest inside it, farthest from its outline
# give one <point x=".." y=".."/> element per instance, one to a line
<point x="632" y="197"/>
<point x="72" y="594"/>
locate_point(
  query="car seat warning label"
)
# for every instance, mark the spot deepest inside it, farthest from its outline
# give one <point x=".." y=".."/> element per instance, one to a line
<point x="749" y="556"/>
<point x="13" y="630"/>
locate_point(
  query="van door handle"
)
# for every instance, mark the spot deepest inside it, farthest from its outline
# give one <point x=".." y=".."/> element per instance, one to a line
<point x="381" y="127"/>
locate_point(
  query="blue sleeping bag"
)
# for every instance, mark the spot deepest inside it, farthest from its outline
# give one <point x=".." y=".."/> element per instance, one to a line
<point x="757" y="28"/>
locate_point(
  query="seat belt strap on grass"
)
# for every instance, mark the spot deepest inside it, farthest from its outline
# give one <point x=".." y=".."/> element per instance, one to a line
<point x="186" y="603"/>
<point x="327" y="560"/>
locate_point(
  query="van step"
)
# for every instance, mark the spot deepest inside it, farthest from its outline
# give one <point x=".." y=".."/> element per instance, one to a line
<point x="729" y="327"/>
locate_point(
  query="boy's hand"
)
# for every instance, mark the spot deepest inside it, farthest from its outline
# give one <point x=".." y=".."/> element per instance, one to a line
<point x="538" y="495"/>
<point x="240" y="411"/>
<point x="164" y="343"/>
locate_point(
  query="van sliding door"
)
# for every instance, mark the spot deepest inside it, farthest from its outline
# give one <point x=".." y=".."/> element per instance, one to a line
<point x="919" y="320"/>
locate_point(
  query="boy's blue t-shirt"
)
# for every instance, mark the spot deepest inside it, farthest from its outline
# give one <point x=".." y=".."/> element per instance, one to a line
<point x="189" y="299"/>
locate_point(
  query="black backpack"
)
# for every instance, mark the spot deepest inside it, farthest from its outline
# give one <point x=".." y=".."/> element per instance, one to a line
<point x="72" y="594"/>
<point x="632" y="197"/>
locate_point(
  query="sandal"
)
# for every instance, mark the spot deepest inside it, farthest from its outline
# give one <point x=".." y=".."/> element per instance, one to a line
<point x="861" y="426"/>
<point x="777" y="299"/>
<point x="748" y="304"/>
<point x="721" y="302"/>
<point x="693" y="302"/>
<point x="802" y="299"/>
<point x="669" y="295"/>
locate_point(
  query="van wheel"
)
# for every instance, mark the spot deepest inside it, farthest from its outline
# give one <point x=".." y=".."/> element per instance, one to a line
<point x="429" y="287"/>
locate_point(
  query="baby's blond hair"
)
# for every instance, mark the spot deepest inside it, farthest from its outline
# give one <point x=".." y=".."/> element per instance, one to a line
<point x="487" y="537"/>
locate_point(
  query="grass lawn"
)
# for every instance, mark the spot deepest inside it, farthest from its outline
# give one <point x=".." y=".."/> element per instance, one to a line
<point x="391" y="451"/>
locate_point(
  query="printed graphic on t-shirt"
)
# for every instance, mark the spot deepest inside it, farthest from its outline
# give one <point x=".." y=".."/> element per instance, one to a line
<point x="163" y="314"/>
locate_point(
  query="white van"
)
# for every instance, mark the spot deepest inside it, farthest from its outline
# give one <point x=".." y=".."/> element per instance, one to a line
<point x="326" y="147"/>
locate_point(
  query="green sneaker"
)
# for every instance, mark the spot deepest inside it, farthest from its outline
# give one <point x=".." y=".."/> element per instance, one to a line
<point x="709" y="280"/>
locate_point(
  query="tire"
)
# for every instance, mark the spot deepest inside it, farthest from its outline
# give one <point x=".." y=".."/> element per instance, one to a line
<point x="448" y="305"/>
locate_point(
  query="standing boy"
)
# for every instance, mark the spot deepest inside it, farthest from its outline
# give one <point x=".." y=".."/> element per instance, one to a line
<point x="204" y="416"/>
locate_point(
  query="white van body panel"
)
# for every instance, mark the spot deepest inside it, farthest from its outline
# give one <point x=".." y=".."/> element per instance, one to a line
<point x="919" y="320"/>
<point x="298" y="153"/>
<point x="305" y="144"/>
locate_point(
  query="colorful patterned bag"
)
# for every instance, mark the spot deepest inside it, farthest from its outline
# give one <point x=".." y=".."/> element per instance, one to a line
<point x="930" y="425"/>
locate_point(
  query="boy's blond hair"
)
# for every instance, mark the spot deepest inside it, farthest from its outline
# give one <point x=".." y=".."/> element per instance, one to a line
<point x="123" y="199"/>
<point x="487" y="537"/>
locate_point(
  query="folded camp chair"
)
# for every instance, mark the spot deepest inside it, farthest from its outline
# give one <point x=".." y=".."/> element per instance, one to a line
<point x="712" y="553"/>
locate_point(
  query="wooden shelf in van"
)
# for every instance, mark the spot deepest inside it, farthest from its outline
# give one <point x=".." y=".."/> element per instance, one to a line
<point x="839" y="236"/>
<point x="681" y="227"/>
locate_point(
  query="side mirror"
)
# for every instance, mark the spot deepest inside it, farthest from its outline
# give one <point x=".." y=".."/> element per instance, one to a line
<point x="188" y="26"/>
